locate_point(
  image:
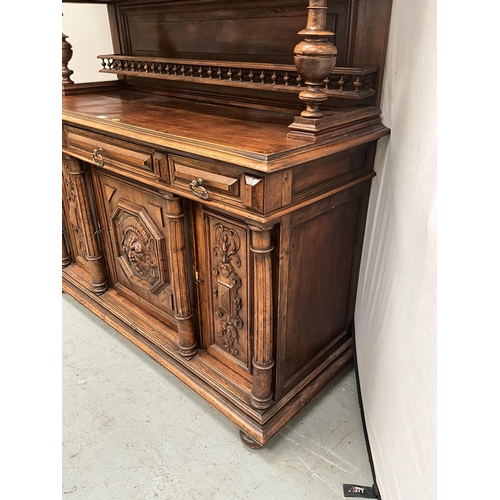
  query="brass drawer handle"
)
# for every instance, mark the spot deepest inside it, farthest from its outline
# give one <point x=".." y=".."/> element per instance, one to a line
<point x="197" y="189"/>
<point x="97" y="158"/>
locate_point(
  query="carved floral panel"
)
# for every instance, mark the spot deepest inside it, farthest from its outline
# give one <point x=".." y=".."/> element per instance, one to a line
<point x="229" y="289"/>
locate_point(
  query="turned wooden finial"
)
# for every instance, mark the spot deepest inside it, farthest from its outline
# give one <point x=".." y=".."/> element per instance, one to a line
<point x="315" y="58"/>
<point x="67" y="54"/>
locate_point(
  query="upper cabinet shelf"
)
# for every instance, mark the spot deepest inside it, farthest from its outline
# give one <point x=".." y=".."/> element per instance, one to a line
<point x="318" y="56"/>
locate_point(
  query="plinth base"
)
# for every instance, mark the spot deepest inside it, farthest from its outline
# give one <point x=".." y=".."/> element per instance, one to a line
<point x="334" y="123"/>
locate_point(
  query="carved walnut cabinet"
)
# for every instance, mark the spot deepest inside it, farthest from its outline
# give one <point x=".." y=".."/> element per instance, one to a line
<point x="215" y="194"/>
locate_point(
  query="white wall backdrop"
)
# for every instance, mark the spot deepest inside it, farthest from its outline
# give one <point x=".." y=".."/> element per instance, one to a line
<point x="396" y="307"/>
<point x="87" y="28"/>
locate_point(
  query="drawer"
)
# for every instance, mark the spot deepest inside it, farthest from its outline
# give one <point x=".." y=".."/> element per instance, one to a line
<point x="110" y="153"/>
<point x="216" y="181"/>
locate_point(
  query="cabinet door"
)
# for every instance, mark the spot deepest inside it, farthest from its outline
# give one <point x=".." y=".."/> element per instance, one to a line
<point x="135" y="233"/>
<point x="223" y="271"/>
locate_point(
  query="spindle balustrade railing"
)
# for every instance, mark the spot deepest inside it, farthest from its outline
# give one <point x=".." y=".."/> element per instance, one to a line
<point x="346" y="83"/>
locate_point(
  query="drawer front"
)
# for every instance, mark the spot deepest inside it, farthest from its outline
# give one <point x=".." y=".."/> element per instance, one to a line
<point x="110" y="153"/>
<point x="214" y="181"/>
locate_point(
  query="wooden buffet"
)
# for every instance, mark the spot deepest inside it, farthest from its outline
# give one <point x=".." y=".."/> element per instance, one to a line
<point x="215" y="194"/>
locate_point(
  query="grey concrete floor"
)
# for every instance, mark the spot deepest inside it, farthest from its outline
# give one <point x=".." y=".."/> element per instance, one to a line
<point x="132" y="431"/>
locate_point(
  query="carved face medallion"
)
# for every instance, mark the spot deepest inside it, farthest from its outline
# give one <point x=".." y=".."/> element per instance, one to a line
<point x="141" y="247"/>
<point x="137" y="249"/>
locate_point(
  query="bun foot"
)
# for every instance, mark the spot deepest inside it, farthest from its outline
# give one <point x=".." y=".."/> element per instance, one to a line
<point x="248" y="441"/>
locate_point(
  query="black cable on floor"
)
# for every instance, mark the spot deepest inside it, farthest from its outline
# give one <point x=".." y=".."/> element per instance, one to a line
<point x="362" y="411"/>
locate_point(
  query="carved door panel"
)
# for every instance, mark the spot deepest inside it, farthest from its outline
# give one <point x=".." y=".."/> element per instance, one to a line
<point x="223" y="270"/>
<point x="136" y="238"/>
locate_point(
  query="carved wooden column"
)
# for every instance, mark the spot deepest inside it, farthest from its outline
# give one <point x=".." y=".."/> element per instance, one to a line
<point x="81" y="218"/>
<point x="66" y="257"/>
<point x="315" y="58"/>
<point x="183" y="311"/>
<point x="261" y="247"/>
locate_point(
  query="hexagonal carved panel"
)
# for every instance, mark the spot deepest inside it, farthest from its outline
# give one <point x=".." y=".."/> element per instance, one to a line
<point x="141" y="246"/>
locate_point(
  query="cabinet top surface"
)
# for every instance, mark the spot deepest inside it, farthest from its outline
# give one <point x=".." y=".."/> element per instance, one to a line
<point x="245" y="130"/>
<point x="249" y="137"/>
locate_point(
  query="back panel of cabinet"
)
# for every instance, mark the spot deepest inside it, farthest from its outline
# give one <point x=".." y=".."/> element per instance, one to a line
<point x="262" y="31"/>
